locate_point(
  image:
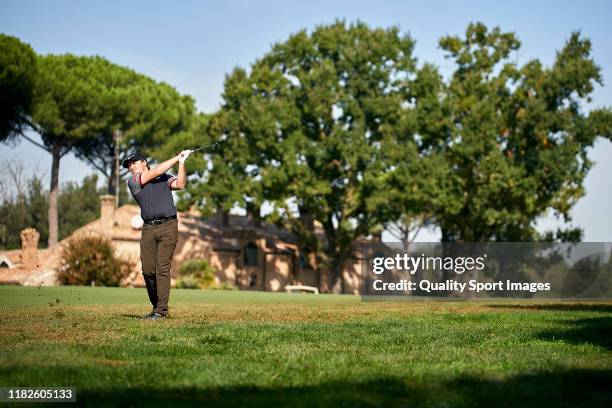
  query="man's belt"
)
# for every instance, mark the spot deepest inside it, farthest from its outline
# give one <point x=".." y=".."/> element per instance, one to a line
<point x="160" y="220"/>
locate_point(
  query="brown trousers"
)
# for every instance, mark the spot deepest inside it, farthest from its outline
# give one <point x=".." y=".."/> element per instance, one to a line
<point x="157" y="246"/>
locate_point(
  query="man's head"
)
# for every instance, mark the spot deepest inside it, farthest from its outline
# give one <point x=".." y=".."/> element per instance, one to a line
<point x="136" y="163"/>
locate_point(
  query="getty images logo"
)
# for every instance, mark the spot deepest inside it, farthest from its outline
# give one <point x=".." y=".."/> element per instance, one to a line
<point x="411" y="264"/>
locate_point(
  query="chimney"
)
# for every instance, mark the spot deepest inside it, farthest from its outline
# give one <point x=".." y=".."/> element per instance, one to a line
<point x="29" y="247"/>
<point x="223" y="217"/>
<point x="253" y="214"/>
<point x="107" y="210"/>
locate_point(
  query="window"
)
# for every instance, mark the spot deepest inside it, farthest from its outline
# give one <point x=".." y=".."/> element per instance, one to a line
<point x="305" y="259"/>
<point x="250" y="254"/>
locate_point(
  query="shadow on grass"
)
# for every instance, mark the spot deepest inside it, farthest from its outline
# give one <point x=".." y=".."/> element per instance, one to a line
<point x="132" y="316"/>
<point x="557" y="388"/>
<point x="597" y="331"/>
<point x="570" y="307"/>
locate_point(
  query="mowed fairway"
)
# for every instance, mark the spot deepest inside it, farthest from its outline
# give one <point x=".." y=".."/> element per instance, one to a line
<point x="265" y="349"/>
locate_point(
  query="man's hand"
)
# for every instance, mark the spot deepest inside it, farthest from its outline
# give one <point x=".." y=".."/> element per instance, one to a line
<point x="148" y="175"/>
<point x="183" y="156"/>
<point x="179" y="183"/>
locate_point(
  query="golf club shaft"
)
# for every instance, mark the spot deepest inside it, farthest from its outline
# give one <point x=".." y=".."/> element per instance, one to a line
<point x="205" y="147"/>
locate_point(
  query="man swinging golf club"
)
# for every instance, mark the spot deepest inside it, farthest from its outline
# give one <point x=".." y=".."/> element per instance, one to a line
<point x="152" y="190"/>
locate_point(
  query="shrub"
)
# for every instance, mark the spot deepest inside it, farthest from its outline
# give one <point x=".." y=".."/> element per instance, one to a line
<point x="92" y="259"/>
<point x="196" y="274"/>
<point x="225" y="286"/>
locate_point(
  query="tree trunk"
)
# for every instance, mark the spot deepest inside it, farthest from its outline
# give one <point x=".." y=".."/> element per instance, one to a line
<point x="114" y="165"/>
<point x="447" y="251"/>
<point x="331" y="252"/>
<point x="112" y="180"/>
<point x="53" y="192"/>
<point x="406" y="239"/>
<point x="337" y="281"/>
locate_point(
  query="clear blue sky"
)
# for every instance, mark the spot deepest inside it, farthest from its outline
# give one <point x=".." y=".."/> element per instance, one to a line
<point x="193" y="44"/>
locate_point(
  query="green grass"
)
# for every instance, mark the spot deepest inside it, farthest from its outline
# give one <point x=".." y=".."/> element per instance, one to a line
<point x="260" y="349"/>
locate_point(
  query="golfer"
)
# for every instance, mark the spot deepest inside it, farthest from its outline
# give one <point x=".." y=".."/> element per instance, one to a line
<point x="152" y="190"/>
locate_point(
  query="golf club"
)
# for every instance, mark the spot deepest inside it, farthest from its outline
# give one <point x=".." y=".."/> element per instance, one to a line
<point x="210" y="146"/>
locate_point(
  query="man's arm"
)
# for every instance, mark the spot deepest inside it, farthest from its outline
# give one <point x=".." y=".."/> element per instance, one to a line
<point x="179" y="183"/>
<point x="158" y="170"/>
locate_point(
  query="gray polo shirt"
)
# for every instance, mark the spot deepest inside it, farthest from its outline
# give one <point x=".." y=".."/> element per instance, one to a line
<point x="154" y="198"/>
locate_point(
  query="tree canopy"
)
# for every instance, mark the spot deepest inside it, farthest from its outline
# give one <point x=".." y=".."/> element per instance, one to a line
<point x="518" y="139"/>
<point x="17" y="75"/>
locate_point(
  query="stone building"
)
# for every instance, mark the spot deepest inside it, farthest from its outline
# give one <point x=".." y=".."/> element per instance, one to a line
<point x="243" y="250"/>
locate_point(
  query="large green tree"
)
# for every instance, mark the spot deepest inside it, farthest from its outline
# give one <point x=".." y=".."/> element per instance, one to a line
<point x="518" y="142"/>
<point x="303" y="131"/>
<point x="17" y="74"/>
<point x="65" y="113"/>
